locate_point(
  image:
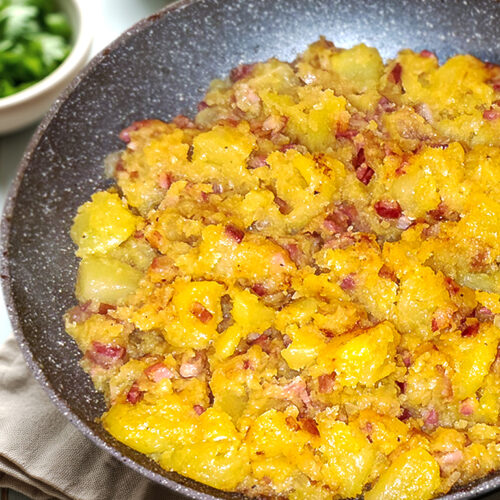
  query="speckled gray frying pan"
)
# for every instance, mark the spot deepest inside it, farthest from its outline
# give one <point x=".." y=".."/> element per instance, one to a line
<point x="160" y="68"/>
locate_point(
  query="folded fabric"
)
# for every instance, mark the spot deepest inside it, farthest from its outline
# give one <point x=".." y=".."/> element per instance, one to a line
<point x="43" y="456"/>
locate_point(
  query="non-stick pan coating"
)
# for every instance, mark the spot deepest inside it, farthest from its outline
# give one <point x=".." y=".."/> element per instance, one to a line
<point x="159" y="69"/>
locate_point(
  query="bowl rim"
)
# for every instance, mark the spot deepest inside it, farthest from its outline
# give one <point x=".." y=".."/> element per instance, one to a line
<point x="486" y="485"/>
<point x="78" y="54"/>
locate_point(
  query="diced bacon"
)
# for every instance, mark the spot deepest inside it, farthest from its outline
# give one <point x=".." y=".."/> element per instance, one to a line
<point x="365" y="174"/>
<point x="471" y="330"/>
<point x="294" y="252"/>
<point x="428" y="54"/>
<point x="297" y="389"/>
<point x="340" y="240"/>
<point x="467" y="407"/>
<point x="138" y="235"/>
<point x="201" y="312"/>
<point x="165" y="180"/>
<point x="263" y="341"/>
<point x="402" y="386"/>
<point x="202" y="105"/>
<point x="235" y="233"/>
<point x="491" y="114"/>
<point x="404" y="222"/>
<point x="349" y="282"/>
<point x="431" y="418"/>
<point x="387" y="273"/>
<point x="286" y="340"/>
<point x="349" y="133"/>
<point x="385" y="105"/>
<point x="241" y="71"/>
<point x="309" y="425"/>
<point x="182" y="121"/>
<point x="405" y="415"/>
<point x="259" y="289"/>
<point x="217" y="188"/>
<point x="134" y="395"/>
<point x="257" y="161"/>
<point x="395" y="74"/>
<point x="287" y="147"/>
<point x="125" y="133"/>
<point x="193" y="366"/>
<point x="105" y="308"/>
<point x="482" y="313"/>
<point x="105" y="355"/>
<point x="292" y="423"/>
<point x="274" y="123"/>
<point x="451" y="285"/>
<point x="406" y="359"/>
<point x="448" y="462"/>
<point x="158" y="372"/>
<point x="359" y="159"/>
<point x="388" y="209"/>
<point x="341" y="218"/>
<point x="283" y="206"/>
<point x="326" y="383"/>
<point x="81" y="312"/>
<point x="198" y="409"/>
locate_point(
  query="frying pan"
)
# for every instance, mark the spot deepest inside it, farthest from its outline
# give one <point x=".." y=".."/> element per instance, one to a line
<point x="158" y="69"/>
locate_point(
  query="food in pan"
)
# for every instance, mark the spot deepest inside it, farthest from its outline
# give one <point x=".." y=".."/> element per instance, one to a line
<point x="297" y="293"/>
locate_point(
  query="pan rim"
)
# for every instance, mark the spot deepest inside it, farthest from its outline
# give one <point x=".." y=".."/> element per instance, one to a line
<point x="473" y="490"/>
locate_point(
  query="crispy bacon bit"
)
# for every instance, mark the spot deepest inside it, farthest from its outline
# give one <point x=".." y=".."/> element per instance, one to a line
<point x="263" y="341"/>
<point x="467" y="407"/>
<point x="341" y="218"/>
<point x="491" y="114"/>
<point x="292" y="423"/>
<point x="259" y="289"/>
<point x="482" y="313"/>
<point x="470" y="330"/>
<point x="283" y="206"/>
<point x="105" y="355"/>
<point x="406" y="359"/>
<point x="359" y="159"/>
<point x="388" y="209"/>
<point x="182" y="121"/>
<point x="139" y="235"/>
<point x="405" y="415"/>
<point x="201" y="312"/>
<point x="432" y="418"/>
<point x="348" y="283"/>
<point x="198" y="409"/>
<point x="385" y="105"/>
<point x="294" y="252"/>
<point x="404" y="222"/>
<point x="235" y="233"/>
<point x="365" y="174"/>
<point x="287" y="147"/>
<point x="349" y="133"/>
<point x="158" y="372"/>
<point x="134" y="395"/>
<point x="451" y="285"/>
<point x="257" y="161"/>
<point x="309" y="425"/>
<point x="286" y="340"/>
<point x="80" y="313"/>
<point x="165" y="180"/>
<point x="448" y="462"/>
<point x="202" y="105"/>
<point x="326" y="383"/>
<point x="402" y="386"/>
<point x="274" y="123"/>
<point x="241" y="71"/>
<point x="427" y="53"/>
<point x="125" y="133"/>
<point x="194" y="366"/>
<point x="297" y="389"/>
<point x="105" y="308"/>
<point x="395" y="74"/>
<point x="246" y="364"/>
<point x="387" y="273"/>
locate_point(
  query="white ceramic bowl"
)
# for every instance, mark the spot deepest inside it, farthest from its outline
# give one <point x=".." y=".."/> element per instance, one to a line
<point x="29" y="105"/>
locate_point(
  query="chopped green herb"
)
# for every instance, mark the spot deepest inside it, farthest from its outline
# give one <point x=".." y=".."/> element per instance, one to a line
<point x="34" y="39"/>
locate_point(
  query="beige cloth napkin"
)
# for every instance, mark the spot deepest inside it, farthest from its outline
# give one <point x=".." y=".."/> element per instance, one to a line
<point x="44" y="456"/>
